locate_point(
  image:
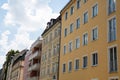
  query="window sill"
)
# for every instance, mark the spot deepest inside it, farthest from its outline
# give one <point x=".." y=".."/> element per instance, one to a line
<point x="94" y="65"/>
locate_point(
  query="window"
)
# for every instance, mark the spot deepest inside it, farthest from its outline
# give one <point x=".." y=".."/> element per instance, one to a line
<point x="70" y="46"/>
<point x="114" y="78"/>
<point x="72" y="10"/>
<point x="85" y="17"/>
<point x="55" y="33"/>
<point x="77" y="42"/>
<point x="95" y="34"/>
<point x="95" y="10"/>
<point x="66" y="15"/>
<point x="85" y="61"/>
<point x="85" y="39"/>
<point x="50" y="36"/>
<point x="70" y="66"/>
<point x="71" y="28"/>
<point x="78" y="4"/>
<point x="59" y="31"/>
<point x="76" y="64"/>
<point x="113" y="59"/>
<point x="94" y="59"/>
<point x="77" y="23"/>
<point x="85" y="1"/>
<point x="65" y="50"/>
<point x="64" y="67"/>
<point x="112" y="29"/>
<point x="111" y="6"/>
<point x="65" y="32"/>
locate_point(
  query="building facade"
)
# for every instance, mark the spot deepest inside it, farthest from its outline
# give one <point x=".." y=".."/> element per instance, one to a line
<point x="26" y="66"/>
<point x="51" y="50"/>
<point x="34" y="60"/>
<point x="90" y="42"/>
<point x="18" y="66"/>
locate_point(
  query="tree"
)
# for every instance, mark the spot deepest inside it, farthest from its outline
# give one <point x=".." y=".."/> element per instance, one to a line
<point x="9" y="56"/>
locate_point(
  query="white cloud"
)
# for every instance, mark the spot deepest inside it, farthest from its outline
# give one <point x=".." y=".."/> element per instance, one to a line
<point x="30" y="15"/>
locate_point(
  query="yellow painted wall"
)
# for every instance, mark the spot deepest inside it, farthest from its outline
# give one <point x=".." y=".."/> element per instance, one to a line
<point x="101" y="71"/>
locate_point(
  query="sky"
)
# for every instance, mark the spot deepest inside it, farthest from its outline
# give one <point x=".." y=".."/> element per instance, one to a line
<point x="22" y="22"/>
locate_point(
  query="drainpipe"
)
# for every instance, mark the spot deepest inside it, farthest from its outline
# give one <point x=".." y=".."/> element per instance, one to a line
<point x="59" y="50"/>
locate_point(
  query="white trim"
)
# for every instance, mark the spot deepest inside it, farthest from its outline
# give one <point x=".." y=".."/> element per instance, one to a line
<point x="86" y="11"/>
<point x="65" y="67"/>
<point x="108" y="27"/>
<point x="75" y="62"/>
<point x="69" y="66"/>
<point x="78" y="37"/>
<point x="92" y="58"/>
<point x="83" y="38"/>
<point x="115" y="77"/>
<point x="83" y="60"/>
<point x="63" y="49"/>
<point x="72" y="46"/>
<point x="115" y="45"/>
<point x="97" y="33"/>
<point x="107" y="6"/>
<point x="92" y="9"/>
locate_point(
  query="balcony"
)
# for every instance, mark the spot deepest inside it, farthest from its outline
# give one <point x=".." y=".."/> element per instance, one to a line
<point x="34" y="67"/>
<point x="35" y="55"/>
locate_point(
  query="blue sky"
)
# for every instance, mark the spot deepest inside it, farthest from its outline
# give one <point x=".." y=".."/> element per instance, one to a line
<point x="22" y="22"/>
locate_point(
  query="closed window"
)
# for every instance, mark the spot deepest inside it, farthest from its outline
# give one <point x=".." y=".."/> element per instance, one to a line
<point x="71" y="28"/>
<point x="64" y="50"/>
<point x="85" y="1"/>
<point x="70" y="66"/>
<point x="65" y="32"/>
<point x="95" y="10"/>
<point x="112" y="29"/>
<point x="78" y="4"/>
<point x="95" y="34"/>
<point x="113" y="59"/>
<point x="77" y="23"/>
<point x="64" y="67"/>
<point x="76" y="64"/>
<point x="72" y="10"/>
<point x="77" y="42"/>
<point x="94" y="59"/>
<point x="70" y="46"/>
<point x="85" y="17"/>
<point x="66" y="15"/>
<point x="111" y="6"/>
<point x="85" y="61"/>
<point x="85" y="39"/>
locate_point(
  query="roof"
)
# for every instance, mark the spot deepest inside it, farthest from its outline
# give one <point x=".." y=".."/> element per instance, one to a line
<point x="66" y="5"/>
<point x="55" y="21"/>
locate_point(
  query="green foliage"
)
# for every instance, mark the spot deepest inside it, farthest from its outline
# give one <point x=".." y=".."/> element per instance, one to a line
<point x="10" y="54"/>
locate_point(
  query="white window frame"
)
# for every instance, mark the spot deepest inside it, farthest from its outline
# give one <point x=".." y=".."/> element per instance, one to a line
<point x="71" y="27"/>
<point x="115" y="77"/>
<point x="64" y="52"/>
<point x="79" y="4"/>
<point x="66" y="15"/>
<point x="92" y="58"/>
<point x="69" y="65"/>
<point x="109" y="57"/>
<point x="92" y="33"/>
<point x="83" y="61"/>
<point x="76" y="44"/>
<point x="75" y="64"/>
<point x="65" y="33"/>
<point x="77" y="23"/>
<point x="71" y="10"/>
<point x="83" y="17"/>
<point x="108" y="28"/>
<point x="83" y="38"/>
<point x="71" y="46"/>
<point x="108" y="7"/>
<point x="97" y="9"/>
<point x="65" y="67"/>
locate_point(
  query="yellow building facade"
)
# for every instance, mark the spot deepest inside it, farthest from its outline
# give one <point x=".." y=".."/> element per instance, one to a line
<point x="50" y="50"/>
<point x="90" y="40"/>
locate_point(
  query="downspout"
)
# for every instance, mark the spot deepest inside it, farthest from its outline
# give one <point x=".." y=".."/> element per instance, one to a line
<point x="59" y="50"/>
